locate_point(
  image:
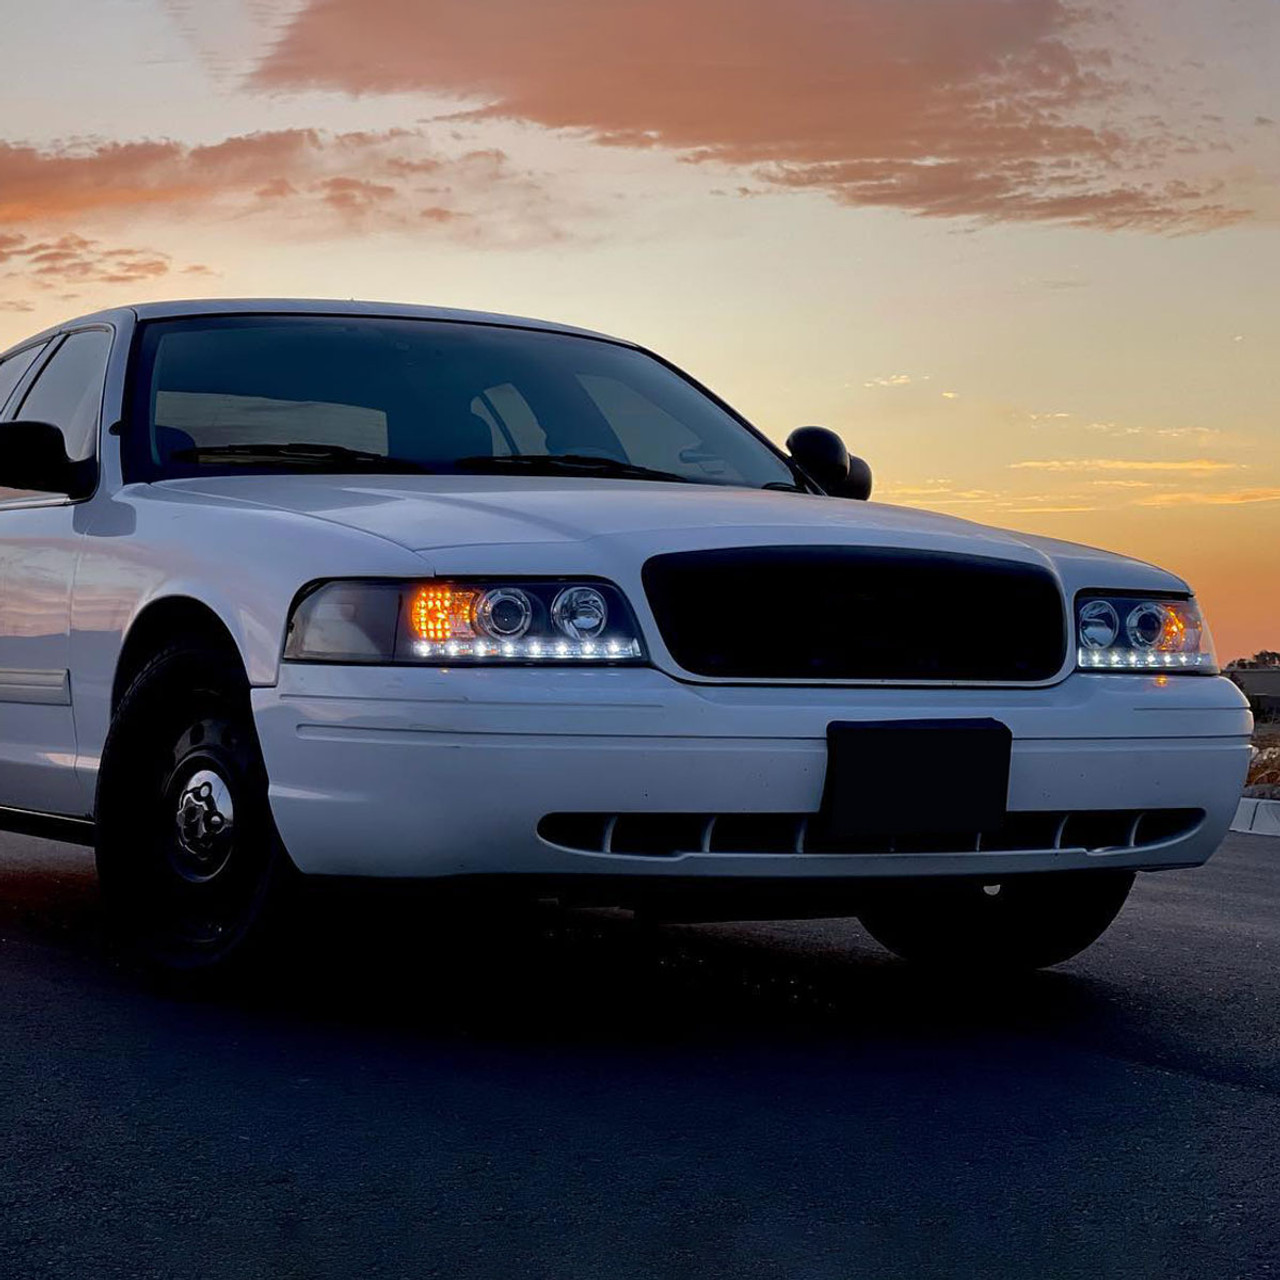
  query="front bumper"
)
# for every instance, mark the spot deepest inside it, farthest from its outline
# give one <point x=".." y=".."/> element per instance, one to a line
<point x="430" y="772"/>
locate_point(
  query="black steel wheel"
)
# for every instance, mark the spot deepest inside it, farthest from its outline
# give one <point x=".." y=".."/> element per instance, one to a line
<point x="192" y="870"/>
<point x="1024" y="922"/>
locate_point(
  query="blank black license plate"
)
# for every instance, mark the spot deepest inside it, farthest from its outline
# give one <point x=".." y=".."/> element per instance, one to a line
<point x="915" y="777"/>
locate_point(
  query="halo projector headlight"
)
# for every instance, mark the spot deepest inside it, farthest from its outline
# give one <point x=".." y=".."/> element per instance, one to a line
<point x="1145" y="624"/>
<point x="1099" y="624"/>
<point x="581" y="613"/>
<point x="504" y="613"/>
<point x="1164" y="635"/>
<point x="449" y="623"/>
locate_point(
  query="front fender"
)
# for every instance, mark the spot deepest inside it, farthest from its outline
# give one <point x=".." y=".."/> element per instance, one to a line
<point x="242" y="562"/>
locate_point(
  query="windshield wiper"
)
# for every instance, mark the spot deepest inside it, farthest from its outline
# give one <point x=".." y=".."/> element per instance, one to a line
<point x="329" y="456"/>
<point x="568" y="464"/>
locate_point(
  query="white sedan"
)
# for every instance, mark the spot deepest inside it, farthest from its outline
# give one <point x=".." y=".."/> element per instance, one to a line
<point x="299" y="589"/>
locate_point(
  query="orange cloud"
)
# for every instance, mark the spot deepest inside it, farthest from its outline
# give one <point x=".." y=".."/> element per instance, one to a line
<point x="1223" y="498"/>
<point x="978" y="108"/>
<point x="1197" y="465"/>
<point x="321" y="178"/>
<point x="1048" y="511"/>
<point x="36" y="186"/>
<point x="72" y="260"/>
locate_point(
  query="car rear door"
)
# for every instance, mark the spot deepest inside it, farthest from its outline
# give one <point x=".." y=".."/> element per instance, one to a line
<point x="39" y="545"/>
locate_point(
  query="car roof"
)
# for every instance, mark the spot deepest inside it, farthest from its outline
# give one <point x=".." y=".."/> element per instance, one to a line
<point x="309" y="306"/>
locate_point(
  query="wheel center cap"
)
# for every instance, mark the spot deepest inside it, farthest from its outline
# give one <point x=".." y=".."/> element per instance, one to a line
<point x="205" y="817"/>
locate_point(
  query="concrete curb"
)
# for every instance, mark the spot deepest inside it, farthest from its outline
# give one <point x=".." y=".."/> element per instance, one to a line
<point x="1258" y="817"/>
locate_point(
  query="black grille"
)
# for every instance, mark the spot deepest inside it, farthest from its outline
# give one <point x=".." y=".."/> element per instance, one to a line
<point x="849" y="613"/>
<point x="666" y="835"/>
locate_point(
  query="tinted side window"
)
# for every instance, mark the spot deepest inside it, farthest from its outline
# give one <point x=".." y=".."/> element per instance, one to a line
<point x="68" y="391"/>
<point x="13" y="369"/>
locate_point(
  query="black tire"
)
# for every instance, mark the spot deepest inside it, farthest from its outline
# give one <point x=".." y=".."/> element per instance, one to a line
<point x="192" y="871"/>
<point x="1025" y="922"/>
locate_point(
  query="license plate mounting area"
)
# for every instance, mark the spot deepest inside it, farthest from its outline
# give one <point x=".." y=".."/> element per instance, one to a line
<point x="914" y="777"/>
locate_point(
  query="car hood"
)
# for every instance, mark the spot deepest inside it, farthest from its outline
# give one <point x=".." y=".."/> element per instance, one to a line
<point x="551" y="524"/>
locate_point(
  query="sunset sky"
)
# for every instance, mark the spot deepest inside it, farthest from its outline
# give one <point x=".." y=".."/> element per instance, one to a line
<point x="1023" y="254"/>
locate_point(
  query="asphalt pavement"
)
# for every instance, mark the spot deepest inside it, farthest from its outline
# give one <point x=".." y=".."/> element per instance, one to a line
<point x="578" y="1095"/>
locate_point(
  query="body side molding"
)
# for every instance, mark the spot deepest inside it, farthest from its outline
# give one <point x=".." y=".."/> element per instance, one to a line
<point x="48" y="688"/>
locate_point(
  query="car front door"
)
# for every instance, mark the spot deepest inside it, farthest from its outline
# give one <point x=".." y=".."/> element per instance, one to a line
<point x="39" y="544"/>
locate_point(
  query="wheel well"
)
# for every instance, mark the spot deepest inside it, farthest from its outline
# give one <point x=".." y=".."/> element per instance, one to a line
<point x="162" y="623"/>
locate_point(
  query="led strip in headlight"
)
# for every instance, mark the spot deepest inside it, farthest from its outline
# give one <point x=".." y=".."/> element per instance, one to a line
<point x="438" y="623"/>
<point x="1141" y="633"/>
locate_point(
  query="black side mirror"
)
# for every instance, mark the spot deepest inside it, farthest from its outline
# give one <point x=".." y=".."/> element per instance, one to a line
<point x="33" y="455"/>
<point x="823" y="457"/>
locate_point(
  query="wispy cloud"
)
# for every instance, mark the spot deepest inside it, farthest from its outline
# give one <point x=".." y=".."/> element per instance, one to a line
<point x="938" y="493"/>
<point x="1048" y="510"/>
<point x="1220" y="498"/>
<point x="1196" y="465"/>
<point x="74" y="260"/>
<point x="893" y="380"/>
<point x="943" y="493"/>
<point x="310" y="180"/>
<point x="1112" y="429"/>
<point x="1200" y="434"/>
<point x="945" y="108"/>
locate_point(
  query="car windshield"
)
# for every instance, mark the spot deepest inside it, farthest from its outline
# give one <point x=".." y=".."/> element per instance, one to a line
<point x="346" y="394"/>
